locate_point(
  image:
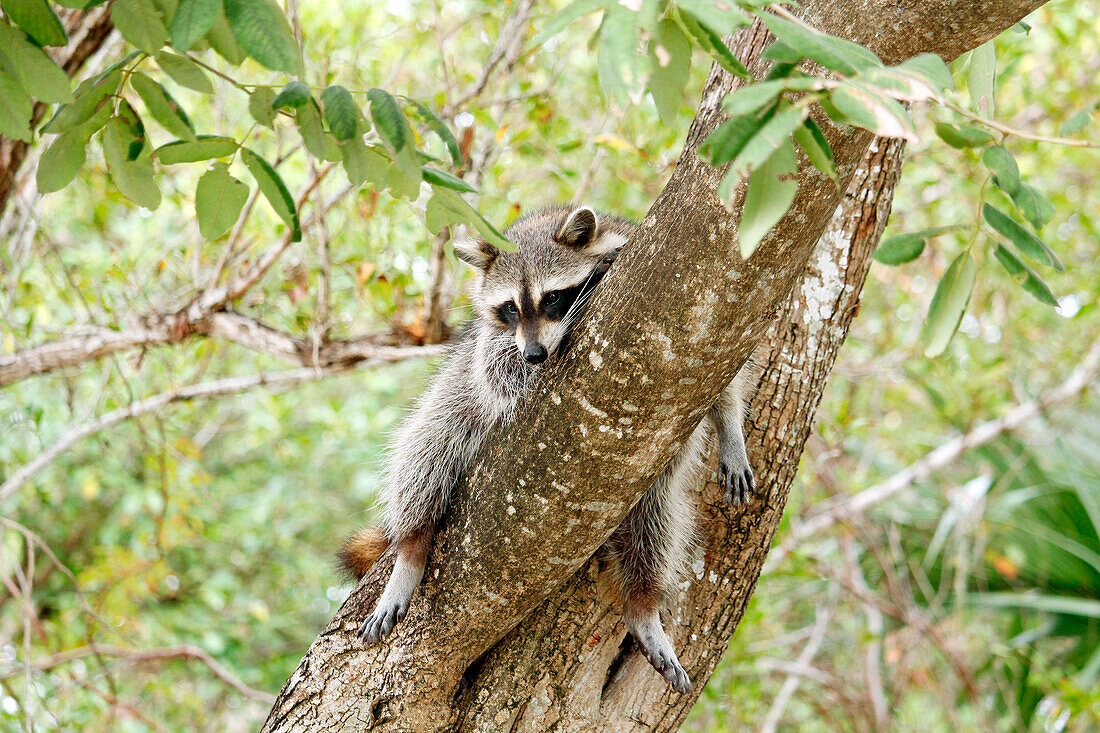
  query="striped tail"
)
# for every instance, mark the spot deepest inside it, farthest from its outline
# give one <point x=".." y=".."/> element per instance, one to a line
<point x="361" y="550"/>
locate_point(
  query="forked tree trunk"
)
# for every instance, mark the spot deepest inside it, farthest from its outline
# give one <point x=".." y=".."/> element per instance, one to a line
<point x="514" y="628"/>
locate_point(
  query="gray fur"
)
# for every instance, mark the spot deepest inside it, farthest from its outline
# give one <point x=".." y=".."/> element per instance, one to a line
<point x="478" y="388"/>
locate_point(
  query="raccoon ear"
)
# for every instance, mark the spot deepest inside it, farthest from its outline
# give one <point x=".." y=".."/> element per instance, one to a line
<point x="579" y="229"/>
<point x="476" y="252"/>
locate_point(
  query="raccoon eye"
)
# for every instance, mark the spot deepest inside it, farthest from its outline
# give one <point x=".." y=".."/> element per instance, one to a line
<point x="510" y="308"/>
<point x="551" y="298"/>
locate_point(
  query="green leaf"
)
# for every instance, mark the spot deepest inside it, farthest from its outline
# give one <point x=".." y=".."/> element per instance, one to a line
<point x="437" y="177"/>
<point x="38" y="20"/>
<point x="192" y="21"/>
<point x="669" y="68"/>
<point x="813" y="143"/>
<point x="1075" y="123"/>
<point x="274" y="190"/>
<point x="1001" y="163"/>
<point x="184" y="72"/>
<point x="450" y="207"/>
<point x="165" y="110"/>
<point x="1069" y="605"/>
<point x="261" y="104"/>
<point x="932" y="68"/>
<point x="722" y="18"/>
<point x="308" y="118"/>
<point x="358" y="160"/>
<point x="341" y="114"/>
<point x="91" y="96"/>
<point x="1029" y="245"/>
<point x="864" y="108"/>
<point x="948" y="305"/>
<point x="219" y="199"/>
<point x="439" y="128"/>
<point x="558" y="23"/>
<point x="616" y="60"/>
<point x="726" y="141"/>
<point x="405" y="174"/>
<point x="711" y="42"/>
<point x="966" y="136"/>
<point x="752" y="98"/>
<point x="135" y="128"/>
<point x="32" y="67"/>
<point x="294" y="94"/>
<point x="140" y="23"/>
<point x="776" y="133"/>
<point x="906" y="247"/>
<point x="203" y="147"/>
<point x="223" y="41"/>
<point x="1025" y="276"/>
<point x="835" y="54"/>
<point x="15" y="110"/>
<point x="61" y="161"/>
<point x="981" y="77"/>
<point x="262" y="30"/>
<point x="772" y="188"/>
<point x="1035" y="207"/>
<point x="133" y="174"/>
<point x="388" y="120"/>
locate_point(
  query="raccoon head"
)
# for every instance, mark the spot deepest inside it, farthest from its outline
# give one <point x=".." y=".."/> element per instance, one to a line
<point x="538" y="291"/>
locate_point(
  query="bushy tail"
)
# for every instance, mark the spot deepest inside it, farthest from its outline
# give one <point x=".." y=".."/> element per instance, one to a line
<point x="361" y="550"/>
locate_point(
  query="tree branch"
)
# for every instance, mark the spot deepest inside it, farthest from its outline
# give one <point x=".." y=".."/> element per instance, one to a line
<point x="206" y="390"/>
<point x="838" y="509"/>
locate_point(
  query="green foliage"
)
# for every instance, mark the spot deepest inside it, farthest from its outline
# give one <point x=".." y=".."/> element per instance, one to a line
<point x="948" y="304"/>
<point x="219" y="199"/>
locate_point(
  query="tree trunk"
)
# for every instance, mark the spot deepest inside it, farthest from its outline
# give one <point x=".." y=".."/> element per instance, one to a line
<point x="87" y="30"/>
<point x="514" y="627"/>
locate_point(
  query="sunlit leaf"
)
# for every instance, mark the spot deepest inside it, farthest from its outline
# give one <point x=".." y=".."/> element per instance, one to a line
<point x="90" y="96"/>
<point x="223" y="41"/>
<point x="140" y="23"/>
<point x="1035" y="207"/>
<point x="162" y="106"/>
<point x="133" y="174"/>
<point x="616" y="60"/>
<point x="341" y="114"/>
<point x="32" y="68"/>
<point x="37" y="18"/>
<point x="906" y="247"/>
<point x="15" y="110"/>
<point x="219" y="199"/>
<point x="967" y="136"/>
<point x="1001" y="163"/>
<point x="932" y="68"/>
<point x="669" y="68"/>
<point x="203" y="147"/>
<point x="727" y="140"/>
<point x="771" y="190"/>
<point x="831" y="52"/>
<point x="864" y="108"/>
<point x="948" y="304"/>
<point x="388" y="120"/>
<point x="981" y="77"/>
<point x="1075" y="122"/>
<point x="263" y="32"/>
<point x="274" y="190"/>
<point x="261" y="105"/>
<point x="813" y="143"/>
<point x="184" y="72"/>
<point x="711" y="42"/>
<point x="774" y="134"/>
<point x="437" y="177"/>
<point x="451" y="208"/>
<point x="293" y="95"/>
<point x="439" y="128"/>
<point x="61" y="161"/>
<point x="193" y="20"/>
<point x="1029" y="245"/>
<point x="1028" y="279"/>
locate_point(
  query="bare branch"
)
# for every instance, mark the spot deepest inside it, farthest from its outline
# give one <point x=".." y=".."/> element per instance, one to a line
<point x="206" y="390"/>
<point x="837" y="509"/>
<point x="508" y="47"/>
<point x="186" y="651"/>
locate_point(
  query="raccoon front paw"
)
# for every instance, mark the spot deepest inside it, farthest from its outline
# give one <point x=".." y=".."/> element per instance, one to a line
<point x="737" y="482"/>
<point x="382" y="620"/>
<point x="663" y="659"/>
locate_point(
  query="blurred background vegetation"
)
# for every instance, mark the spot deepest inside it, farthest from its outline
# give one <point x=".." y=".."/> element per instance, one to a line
<point x="971" y="600"/>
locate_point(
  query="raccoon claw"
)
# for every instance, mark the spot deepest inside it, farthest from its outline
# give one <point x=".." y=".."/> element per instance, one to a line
<point x="381" y="622"/>
<point x="663" y="659"/>
<point x="737" y="483"/>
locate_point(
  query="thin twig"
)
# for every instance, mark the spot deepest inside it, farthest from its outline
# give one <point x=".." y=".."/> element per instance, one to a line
<point x="842" y="507"/>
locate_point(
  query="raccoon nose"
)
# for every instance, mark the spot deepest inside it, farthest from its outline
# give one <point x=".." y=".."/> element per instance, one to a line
<point x="534" y="352"/>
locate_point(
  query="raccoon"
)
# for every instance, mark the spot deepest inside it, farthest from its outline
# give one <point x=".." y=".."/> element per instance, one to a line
<point x="526" y="303"/>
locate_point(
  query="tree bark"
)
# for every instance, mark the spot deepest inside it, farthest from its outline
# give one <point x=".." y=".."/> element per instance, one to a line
<point x="87" y="31"/>
<point x="513" y="627"/>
